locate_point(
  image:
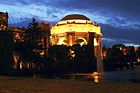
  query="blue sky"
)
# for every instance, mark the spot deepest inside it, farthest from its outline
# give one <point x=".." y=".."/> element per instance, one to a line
<point x="119" y="19"/>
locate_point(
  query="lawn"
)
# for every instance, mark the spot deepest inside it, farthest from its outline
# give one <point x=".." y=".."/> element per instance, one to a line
<point x="38" y="85"/>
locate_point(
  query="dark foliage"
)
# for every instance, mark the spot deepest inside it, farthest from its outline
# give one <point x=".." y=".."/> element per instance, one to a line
<point x="75" y="59"/>
<point x="61" y="59"/>
<point x="116" y="58"/>
<point x="6" y="52"/>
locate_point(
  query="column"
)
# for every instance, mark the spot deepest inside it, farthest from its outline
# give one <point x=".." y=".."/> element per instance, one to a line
<point x="100" y="45"/>
<point x="91" y="41"/>
<point x="70" y="38"/>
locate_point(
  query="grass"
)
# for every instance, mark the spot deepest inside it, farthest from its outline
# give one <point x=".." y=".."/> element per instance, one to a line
<point x="37" y="85"/>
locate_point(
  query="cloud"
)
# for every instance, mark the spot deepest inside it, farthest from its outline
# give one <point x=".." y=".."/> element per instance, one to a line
<point x="127" y="6"/>
<point x="119" y="36"/>
<point x="113" y="41"/>
<point x="19" y="13"/>
<point x="123" y="14"/>
<point x="119" y="19"/>
<point x="131" y="44"/>
<point x="54" y="16"/>
<point x="114" y="13"/>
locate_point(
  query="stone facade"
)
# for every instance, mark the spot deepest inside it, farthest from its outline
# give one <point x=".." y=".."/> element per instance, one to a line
<point x="3" y="21"/>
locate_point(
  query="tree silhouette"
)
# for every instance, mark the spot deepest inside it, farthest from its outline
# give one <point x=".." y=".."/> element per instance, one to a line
<point x="6" y="52"/>
<point x="34" y="35"/>
<point x="132" y="55"/>
<point x="104" y="48"/>
<point x="138" y="53"/>
<point x="29" y="50"/>
<point x="59" y="58"/>
<point x="115" y="57"/>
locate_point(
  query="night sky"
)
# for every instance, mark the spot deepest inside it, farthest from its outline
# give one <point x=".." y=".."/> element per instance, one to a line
<point x="119" y="19"/>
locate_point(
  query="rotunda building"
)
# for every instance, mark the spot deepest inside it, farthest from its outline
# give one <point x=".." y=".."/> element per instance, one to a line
<point x="76" y="29"/>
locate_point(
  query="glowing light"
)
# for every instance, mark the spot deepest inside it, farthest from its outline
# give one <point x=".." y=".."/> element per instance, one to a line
<point x="16" y="61"/>
<point x="42" y="53"/>
<point x="138" y="60"/>
<point x="20" y="65"/>
<point x="86" y="26"/>
<point x="95" y="42"/>
<point x="70" y="41"/>
<point x="28" y="65"/>
<point x="81" y="44"/>
<point x="76" y="31"/>
<point x="72" y="53"/>
<point x="95" y="73"/>
<point x="95" y="76"/>
<point x="96" y="79"/>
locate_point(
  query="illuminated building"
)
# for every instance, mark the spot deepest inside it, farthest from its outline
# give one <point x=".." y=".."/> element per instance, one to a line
<point x="18" y="36"/>
<point x="45" y="40"/>
<point x="76" y="29"/>
<point x="18" y="33"/>
<point x="3" y="20"/>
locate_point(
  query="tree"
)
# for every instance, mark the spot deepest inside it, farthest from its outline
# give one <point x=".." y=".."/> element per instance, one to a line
<point x="104" y="48"/>
<point x="138" y="53"/>
<point x="132" y="54"/>
<point x="71" y="59"/>
<point x="115" y="57"/>
<point x="29" y="50"/>
<point x="59" y="58"/>
<point x="6" y="52"/>
<point x="34" y="35"/>
<point x="84" y="60"/>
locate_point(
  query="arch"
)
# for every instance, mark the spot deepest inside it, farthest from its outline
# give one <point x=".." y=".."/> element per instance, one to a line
<point x="82" y="43"/>
<point x="62" y="41"/>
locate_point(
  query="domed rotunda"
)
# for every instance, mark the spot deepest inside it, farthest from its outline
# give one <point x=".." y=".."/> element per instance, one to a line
<point x="76" y="29"/>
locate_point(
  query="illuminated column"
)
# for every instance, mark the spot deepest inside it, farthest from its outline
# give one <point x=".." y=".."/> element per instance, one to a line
<point x="96" y="47"/>
<point x="91" y="40"/>
<point x="100" y="46"/>
<point x="70" y="38"/>
<point x="56" y="39"/>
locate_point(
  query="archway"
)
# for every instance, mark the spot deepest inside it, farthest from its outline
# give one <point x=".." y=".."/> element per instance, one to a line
<point x="81" y="41"/>
<point x="62" y="41"/>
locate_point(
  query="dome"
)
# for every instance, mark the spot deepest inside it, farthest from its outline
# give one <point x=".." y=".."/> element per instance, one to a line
<point x="75" y="16"/>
